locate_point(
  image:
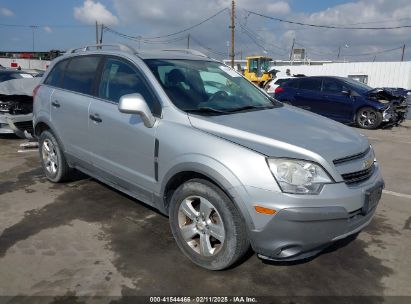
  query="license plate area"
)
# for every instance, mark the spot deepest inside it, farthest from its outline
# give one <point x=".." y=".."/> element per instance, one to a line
<point x="372" y="197"/>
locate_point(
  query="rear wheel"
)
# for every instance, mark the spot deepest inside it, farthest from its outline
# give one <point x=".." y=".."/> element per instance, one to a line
<point x="368" y="118"/>
<point x="207" y="226"/>
<point x="52" y="158"/>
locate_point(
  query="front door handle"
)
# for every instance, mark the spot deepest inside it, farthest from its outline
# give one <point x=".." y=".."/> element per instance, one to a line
<point x="95" y="118"/>
<point x="55" y="104"/>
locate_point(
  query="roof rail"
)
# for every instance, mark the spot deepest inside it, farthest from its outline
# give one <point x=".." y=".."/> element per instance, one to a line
<point x="121" y="47"/>
<point x="187" y="51"/>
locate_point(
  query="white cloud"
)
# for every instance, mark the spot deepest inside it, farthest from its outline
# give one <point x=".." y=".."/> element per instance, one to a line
<point x="280" y="7"/>
<point x="6" y="12"/>
<point x="47" y="29"/>
<point x="92" y="11"/>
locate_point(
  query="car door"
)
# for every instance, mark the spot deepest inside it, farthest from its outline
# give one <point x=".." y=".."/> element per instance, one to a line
<point x="308" y="95"/>
<point x="122" y="146"/>
<point x="69" y="106"/>
<point x="336" y="100"/>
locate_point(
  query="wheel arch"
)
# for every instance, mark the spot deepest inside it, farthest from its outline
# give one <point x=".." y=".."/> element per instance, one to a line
<point x="42" y="126"/>
<point x="230" y="185"/>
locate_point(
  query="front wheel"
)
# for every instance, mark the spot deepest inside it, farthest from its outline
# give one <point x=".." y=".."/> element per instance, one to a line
<point x="207" y="226"/>
<point x="368" y="118"/>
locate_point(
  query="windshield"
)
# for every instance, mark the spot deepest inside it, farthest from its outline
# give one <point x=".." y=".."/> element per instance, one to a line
<point x="358" y="86"/>
<point x="207" y="87"/>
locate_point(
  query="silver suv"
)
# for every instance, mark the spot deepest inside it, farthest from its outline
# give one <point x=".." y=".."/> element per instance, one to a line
<point x="229" y="165"/>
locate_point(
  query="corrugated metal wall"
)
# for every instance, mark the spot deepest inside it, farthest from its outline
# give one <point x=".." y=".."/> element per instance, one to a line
<point x="380" y="74"/>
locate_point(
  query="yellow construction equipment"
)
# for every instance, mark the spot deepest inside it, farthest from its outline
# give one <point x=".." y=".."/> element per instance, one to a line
<point x="257" y="70"/>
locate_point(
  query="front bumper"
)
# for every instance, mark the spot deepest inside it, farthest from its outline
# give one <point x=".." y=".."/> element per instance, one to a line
<point x="306" y="224"/>
<point x="21" y="125"/>
<point x="395" y="114"/>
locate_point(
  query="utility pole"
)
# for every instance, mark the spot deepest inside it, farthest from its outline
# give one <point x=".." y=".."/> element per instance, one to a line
<point x="339" y="51"/>
<point x="96" y="32"/>
<point x="292" y="50"/>
<point x="188" y="41"/>
<point x="101" y="33"/>
<point x="403" y="51"/>
<point x="232" y="27"/>
<point x="33" y="27"/>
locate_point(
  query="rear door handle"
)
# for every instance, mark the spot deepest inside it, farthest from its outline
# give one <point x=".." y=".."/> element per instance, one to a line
<point x="95" y="118"/>
<point x="55" y="104"/>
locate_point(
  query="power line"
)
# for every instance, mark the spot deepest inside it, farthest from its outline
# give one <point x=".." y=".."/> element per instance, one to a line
<point x="256" y="38"/>
<point x="374" y="22"/>
<point x="329" y="26"/>
<point x="191" y="27"/>
<point x="207" y="48"/>
<point x="373" y="53"/>
<point x="142" y="40"/>
<point x="256" y="42"/>
<point x="310" y="49"/>
<point x="44" y="25"/>
<point x="139" y="38"/>
<point x="350" y="55"/>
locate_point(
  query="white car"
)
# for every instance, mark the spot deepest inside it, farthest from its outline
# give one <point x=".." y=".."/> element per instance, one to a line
<point x="271" y="85"/>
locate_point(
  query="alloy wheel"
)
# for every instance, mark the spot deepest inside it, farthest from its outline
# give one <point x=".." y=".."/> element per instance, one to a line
<point x="201" y="226"/>
<point x="49" y="155"/>
<point x="367" y="118"/>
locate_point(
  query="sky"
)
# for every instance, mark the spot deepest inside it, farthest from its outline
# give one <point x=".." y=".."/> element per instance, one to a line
<point x="70" y="23"/>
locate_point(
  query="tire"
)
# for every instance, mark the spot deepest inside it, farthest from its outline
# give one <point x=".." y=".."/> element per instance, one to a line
<point x="218" y="241"/>
<point x="52" y="159"/>
<point x="368" y="118"/>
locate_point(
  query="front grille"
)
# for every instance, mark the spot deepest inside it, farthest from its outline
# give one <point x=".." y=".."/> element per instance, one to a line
<point x="25" y="125"/>
<point x="351" y="157"/>
<point x="359" y="176"/>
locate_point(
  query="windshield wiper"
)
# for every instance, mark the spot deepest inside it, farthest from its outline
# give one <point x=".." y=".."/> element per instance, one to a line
<point x="250" y="107"/>
<point x="206" y="110"/>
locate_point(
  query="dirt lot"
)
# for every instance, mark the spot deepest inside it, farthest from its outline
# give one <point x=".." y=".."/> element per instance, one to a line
<point x="83" y="238"/>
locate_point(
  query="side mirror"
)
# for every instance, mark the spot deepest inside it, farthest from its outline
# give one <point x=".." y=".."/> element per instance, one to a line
<point x="346" y="92"/>
<point x="135" y="104"/>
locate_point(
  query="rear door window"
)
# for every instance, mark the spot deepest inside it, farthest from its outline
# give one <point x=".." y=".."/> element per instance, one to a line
<point x="331" y="86"/>
<point x="56" y="75"/>
<point x="313" y="84"/>
<point x="81" y="73"/>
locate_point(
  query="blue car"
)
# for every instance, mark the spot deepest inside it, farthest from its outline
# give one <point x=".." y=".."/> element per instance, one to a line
<point x="345" y="100"/>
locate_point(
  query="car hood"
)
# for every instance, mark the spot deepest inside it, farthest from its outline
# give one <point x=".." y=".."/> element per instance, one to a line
<point x="386" y="95"/>
<point x="21" y="86"/>
<point x="285" y="132"/>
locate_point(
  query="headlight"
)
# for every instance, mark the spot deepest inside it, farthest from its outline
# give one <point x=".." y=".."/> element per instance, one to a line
<point x="298" y="176"/>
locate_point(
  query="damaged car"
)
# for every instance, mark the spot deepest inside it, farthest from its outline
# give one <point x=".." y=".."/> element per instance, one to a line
<point x="16" y="106"/>
<point x="346" y="100"/>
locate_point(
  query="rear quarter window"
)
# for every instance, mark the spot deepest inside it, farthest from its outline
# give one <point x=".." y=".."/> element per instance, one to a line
<point x="56" y="75"/>
<point x="80" y="74"/>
